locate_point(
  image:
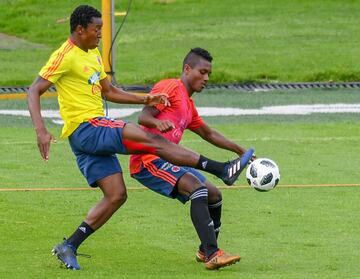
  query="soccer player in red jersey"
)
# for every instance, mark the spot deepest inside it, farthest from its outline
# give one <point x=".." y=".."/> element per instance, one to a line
<point x="77" y="71"/>
<point x="186" y="183"/>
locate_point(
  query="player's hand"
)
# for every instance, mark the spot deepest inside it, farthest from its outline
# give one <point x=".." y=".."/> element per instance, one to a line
<point x="44" y="139"/>
<point x="154" y="99"/>
<point x="165" y="126"/>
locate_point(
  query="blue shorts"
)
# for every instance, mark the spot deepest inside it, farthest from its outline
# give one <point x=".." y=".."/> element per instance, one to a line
<point x="95" y="144"/>
<point x="162" y="177"/>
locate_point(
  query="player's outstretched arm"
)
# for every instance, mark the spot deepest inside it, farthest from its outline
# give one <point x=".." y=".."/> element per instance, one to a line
<point x="215" y="138"/>
<point x="147" y="118"/>
<point x="44" y="138"/>
<point x="116" y="95"/>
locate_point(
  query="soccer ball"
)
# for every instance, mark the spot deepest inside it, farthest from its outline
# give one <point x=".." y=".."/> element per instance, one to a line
<point x="263" y="174"/>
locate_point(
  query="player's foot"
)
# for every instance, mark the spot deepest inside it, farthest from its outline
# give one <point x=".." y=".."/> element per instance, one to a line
<point x="200" y="256"/>
<point x="66" y="253"/>
<point x="233" y="168"/>
<point x="221" y="259"/>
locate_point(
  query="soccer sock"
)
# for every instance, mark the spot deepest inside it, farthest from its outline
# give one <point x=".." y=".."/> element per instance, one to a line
<point x="81" y="233"/>
<point x="210" y="166"/>
<point x="200" y="217"/>
<point x="215" y="214"/>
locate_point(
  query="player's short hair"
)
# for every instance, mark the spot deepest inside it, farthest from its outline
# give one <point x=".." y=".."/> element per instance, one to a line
<point x="194" y="55"/>
<point x="82" y="15"/>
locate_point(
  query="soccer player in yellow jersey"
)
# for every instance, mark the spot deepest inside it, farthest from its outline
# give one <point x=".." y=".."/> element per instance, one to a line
<point x="77" y="71"/>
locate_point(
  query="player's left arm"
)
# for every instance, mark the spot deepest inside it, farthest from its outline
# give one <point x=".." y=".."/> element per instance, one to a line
<point x="116" y="95"/>
<point x="147" y="118"/>
<point x="216" y="138"/>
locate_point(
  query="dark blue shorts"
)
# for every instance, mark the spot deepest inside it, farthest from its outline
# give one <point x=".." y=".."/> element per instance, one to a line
<point x="95" y="144"/>
<point x="162" y="177"/>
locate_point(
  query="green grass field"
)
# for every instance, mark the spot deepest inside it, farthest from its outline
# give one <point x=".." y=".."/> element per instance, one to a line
<point x="263" y="40"/>
<point x="290" y="232"/>
<point x="306" y="228"/>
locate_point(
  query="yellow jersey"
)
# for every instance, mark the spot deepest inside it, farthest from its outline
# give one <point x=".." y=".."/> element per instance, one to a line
<point x="76" y="75"/>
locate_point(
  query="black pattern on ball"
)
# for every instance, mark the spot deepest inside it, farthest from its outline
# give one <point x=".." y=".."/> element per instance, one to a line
<point x="266" y="179"/>
<point x="253" y="171"/>
<point x="267" y="163"/>
<point x="260" y="190"/>
<point x="276" y="182"/>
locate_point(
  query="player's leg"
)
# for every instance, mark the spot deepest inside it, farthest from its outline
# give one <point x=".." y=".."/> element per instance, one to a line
<point x="214" y="258"/>
<point x="113" y="188"/>
<point x="215" y="206"/>
<point x="186" y="183"/>
<point x="190" y="186"/>
<point x="138" y="141"/>
<point x="178" y="182"/>
<point x="101" y="169"/>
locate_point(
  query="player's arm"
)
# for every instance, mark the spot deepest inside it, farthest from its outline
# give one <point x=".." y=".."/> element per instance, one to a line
<point x="215" y="138"/>
<point x="116" y="95"/>
<point x="44" y="138"/>
<point x="147" y="118"/>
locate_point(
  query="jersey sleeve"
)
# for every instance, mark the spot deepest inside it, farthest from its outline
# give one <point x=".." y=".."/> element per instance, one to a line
<point x="56" y="66"/>
<point x="196" y="121"/>
<point x="166" y="86"/>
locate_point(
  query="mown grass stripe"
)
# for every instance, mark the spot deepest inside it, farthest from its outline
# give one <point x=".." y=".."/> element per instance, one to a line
<point x="142" y="189"/>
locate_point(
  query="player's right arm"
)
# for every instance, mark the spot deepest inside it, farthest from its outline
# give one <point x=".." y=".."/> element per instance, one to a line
<point x="147" y="118"/>
<point x="44" y="138"/>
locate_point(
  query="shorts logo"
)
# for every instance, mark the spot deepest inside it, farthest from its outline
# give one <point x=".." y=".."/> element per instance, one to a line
<point x="175" y="168"/>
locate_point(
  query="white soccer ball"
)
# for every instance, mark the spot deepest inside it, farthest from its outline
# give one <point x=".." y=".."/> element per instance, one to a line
<point x="263" y="174"/>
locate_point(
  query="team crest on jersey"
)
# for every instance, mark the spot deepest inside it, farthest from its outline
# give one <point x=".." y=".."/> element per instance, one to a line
<point x="175" y="169"/>
<point x="96" y="89"/>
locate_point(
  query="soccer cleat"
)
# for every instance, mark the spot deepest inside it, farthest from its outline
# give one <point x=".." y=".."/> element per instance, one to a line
<point x="66" y="253"/>
<point x="233" y="168"/>
<point x="200" y="256"/>
<point x="221" y="259"/>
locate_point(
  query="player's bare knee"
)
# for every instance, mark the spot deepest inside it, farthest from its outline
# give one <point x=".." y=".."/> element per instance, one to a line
<point x="188" y="183"/>
<point x="214" y="194"/>
<point x="118" y="199"/>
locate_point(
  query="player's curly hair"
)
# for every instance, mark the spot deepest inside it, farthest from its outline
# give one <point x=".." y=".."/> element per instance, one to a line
<point x="82" y="15"/>
<point x="194" y="55"/>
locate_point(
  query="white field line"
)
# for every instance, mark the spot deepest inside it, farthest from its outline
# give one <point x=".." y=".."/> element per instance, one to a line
<point x="218" y="111"/>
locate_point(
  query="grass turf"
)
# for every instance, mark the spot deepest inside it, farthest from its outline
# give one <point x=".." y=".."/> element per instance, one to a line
<point x="286" y="233"/>
<point x="250" y="40"/>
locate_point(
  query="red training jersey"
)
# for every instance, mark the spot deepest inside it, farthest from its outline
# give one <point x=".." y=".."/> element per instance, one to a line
<point x="182" y="113"/>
